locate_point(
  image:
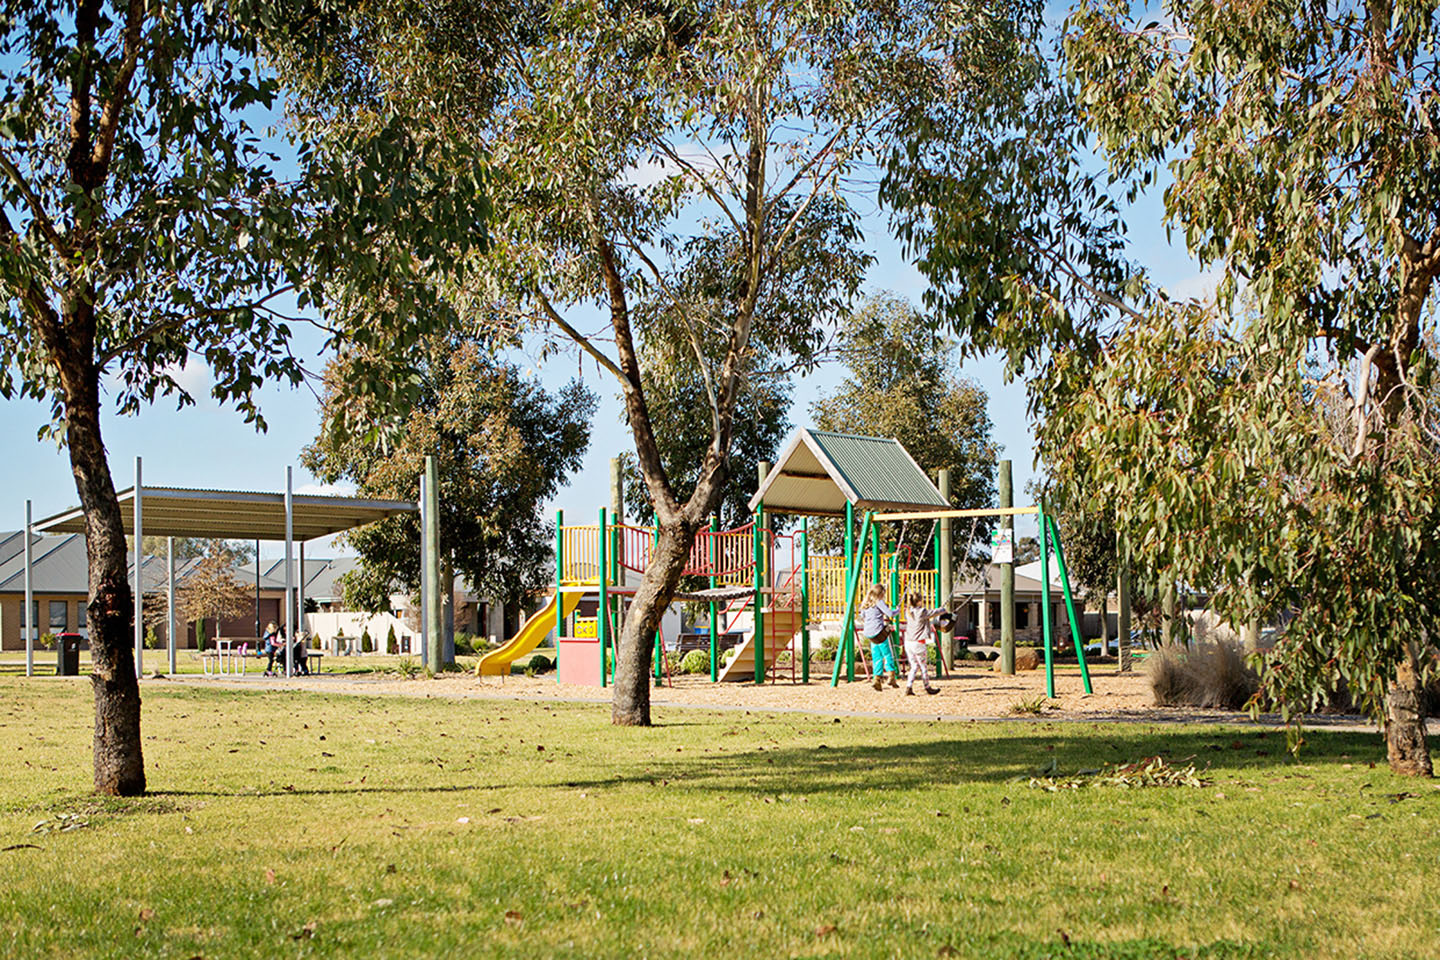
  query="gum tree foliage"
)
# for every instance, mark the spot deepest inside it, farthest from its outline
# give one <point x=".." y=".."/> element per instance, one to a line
<point x="503" y="447"/>
<point x="901" y="382"/>
<point x="1302" y="148"/>
<point x="144" y="225"/>
<point x="618" y="137"/>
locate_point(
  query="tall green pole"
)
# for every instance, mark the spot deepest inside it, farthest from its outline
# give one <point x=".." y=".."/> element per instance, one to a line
<point x="659" y="635"/>
<point x="805" y="600"/>
<point x="1007" y="574"/>
<point x="875" y="553"/>
<point x="895" y="598"/>
<point x="939" y="600"/>
<point x="602" y="618"/>
<point x="846" y="650"/>
<point x="1070" y="606"/>
<point x="759" y="643"/>
<point x="945" y="565"/>
<point x="714" y="613"/>
<point x="559" y="586"/>
<point x="847" y="625"/>
<point x="1045" y="601"/>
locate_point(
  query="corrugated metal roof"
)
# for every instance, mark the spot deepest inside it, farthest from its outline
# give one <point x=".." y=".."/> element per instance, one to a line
<point x="241" y="514"/>
<point x="819" y="472"/>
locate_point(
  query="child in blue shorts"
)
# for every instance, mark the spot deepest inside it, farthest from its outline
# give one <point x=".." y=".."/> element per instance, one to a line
<point x="875" y="625"/>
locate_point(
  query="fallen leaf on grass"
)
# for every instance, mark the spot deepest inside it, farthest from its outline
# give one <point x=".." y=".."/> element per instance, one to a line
<point x="696" y="820"/>
<point x="269" y="876"/>
<point x="825" y="930"/>
<point x="514" y="917"/>
<point x="947" y="951"/>
<point x="305" y="932"/>
<point x="383" y="902"/>
<point x="146" y="914"/>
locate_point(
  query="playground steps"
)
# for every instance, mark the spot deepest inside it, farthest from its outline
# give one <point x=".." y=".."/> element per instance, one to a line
<point x="781" y="625"/>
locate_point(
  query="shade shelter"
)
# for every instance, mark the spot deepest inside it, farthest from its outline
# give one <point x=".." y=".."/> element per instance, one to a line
<point x="235" y="514"/>
<point x="820" y="473"/>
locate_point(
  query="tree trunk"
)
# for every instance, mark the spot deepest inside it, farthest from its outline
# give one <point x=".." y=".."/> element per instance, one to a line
<point x="630" y="705"/>
<point x="119" y="761"/>
<point x="1405" y="743"/>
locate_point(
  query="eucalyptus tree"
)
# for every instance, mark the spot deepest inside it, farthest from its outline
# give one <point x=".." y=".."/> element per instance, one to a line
<point x="503" y="446"/>
<point x="901" y="381"/>
<point x="1305" y="178"/>
<point x="143" y="223"/>
<point x="626" y="143"/>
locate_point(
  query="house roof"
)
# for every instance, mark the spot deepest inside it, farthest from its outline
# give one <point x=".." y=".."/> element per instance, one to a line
<point x="60" y="565"/>
<point x="819" y="472"/>
<point x="238" y="514"/>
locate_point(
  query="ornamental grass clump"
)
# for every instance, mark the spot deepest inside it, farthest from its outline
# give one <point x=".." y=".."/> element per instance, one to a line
<point x="1212" y="674"/>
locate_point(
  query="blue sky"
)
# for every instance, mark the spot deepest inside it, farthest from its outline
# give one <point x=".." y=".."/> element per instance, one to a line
<point x="208" y="446"/>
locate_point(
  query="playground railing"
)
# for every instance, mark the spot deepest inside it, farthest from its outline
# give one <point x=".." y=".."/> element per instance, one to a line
<point x="581" y="553"/>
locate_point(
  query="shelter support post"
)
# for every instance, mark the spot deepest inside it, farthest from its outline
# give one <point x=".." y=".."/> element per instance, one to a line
<point x="28" y="619"/>
<point x="139" y="576"/>
<point x="170" y="599"/>
<point x="289" y="572"/>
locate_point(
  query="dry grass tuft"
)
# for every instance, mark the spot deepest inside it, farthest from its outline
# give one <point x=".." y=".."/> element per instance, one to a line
<point x="1212" y="674"/>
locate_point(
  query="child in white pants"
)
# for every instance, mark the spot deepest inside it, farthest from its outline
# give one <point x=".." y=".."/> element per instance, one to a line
<point x="919" y="630"/>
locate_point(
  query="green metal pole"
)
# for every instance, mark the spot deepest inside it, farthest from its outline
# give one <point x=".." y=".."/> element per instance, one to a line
<point x="875" y="553"/>
<point x="805" y="600"/>
<point x="939" y="600"/>
<point x="895" y="598"/>
<point x="602" y="618"/>
<point x="846" y="650"/>
<point x="1070" y="607"/>
<point x="659" y="635"/>
<point x="759" y="643"/>
<point x="559" y="583"/>
<point x="1045" y="601"/>
<point x="847" y="625"/>
<point x="714" y="613"/>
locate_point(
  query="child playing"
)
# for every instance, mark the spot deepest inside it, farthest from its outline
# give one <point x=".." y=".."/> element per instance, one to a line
<point x="919" y="629"/>
<point x="876" y="616"/>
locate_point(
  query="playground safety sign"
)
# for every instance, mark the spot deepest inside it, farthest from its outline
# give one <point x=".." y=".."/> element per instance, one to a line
<point x="1002" y="546"/>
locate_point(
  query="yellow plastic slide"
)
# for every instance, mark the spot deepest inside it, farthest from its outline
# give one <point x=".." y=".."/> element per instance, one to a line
<point x="497" y="662"/>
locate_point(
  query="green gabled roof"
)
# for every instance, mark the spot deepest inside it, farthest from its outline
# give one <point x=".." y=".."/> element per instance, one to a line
<point x="819" y="472"/>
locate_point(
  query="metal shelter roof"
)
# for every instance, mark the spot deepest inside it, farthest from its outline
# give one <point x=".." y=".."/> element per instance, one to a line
<point x="819" y="472"/>
<point x="235" y="514"/>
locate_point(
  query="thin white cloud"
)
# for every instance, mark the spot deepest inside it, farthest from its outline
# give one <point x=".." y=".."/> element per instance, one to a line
<point x="326" y="489"/>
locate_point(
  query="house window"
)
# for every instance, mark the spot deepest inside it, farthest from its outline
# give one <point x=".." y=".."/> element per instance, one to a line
<point x="59" y="616"/>
<point x="994" y="616"/>
<point x="1022" y="616"/>
<point x="80" y="609"/>
<point x="35" y="614"/>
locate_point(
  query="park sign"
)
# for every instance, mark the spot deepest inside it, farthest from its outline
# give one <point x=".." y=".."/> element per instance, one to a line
<point x="1002" y="546"/>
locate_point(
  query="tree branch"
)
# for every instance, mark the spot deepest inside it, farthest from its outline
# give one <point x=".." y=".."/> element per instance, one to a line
<point x="37" y="210"/>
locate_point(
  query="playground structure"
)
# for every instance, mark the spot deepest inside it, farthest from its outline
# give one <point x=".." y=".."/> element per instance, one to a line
<point x="748" y="592"/>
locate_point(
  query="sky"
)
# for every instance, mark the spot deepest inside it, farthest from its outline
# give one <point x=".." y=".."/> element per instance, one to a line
<point x="206" y="445"/>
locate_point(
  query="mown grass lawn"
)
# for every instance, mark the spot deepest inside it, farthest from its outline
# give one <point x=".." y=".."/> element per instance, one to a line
<point x="300" y="824"/>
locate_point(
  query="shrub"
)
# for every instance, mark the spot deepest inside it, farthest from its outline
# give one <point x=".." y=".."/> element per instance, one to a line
<point x="784" y="659"/>
<point x="538" y="664"/>
<point x="367" y="643"/>
<point x="390" y="642"/>
<point x="152" y="642"/>
<point x="464" y="643"/>
<point x="1212" y="674"/>
<point x="48" y="640"/>
<point x="696" y="661"/>
<point x="829" y="647"/>
<point x="408" y="668"/>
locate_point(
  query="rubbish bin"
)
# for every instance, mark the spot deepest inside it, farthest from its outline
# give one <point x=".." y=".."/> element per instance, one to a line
<point x="68" y="654"/>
